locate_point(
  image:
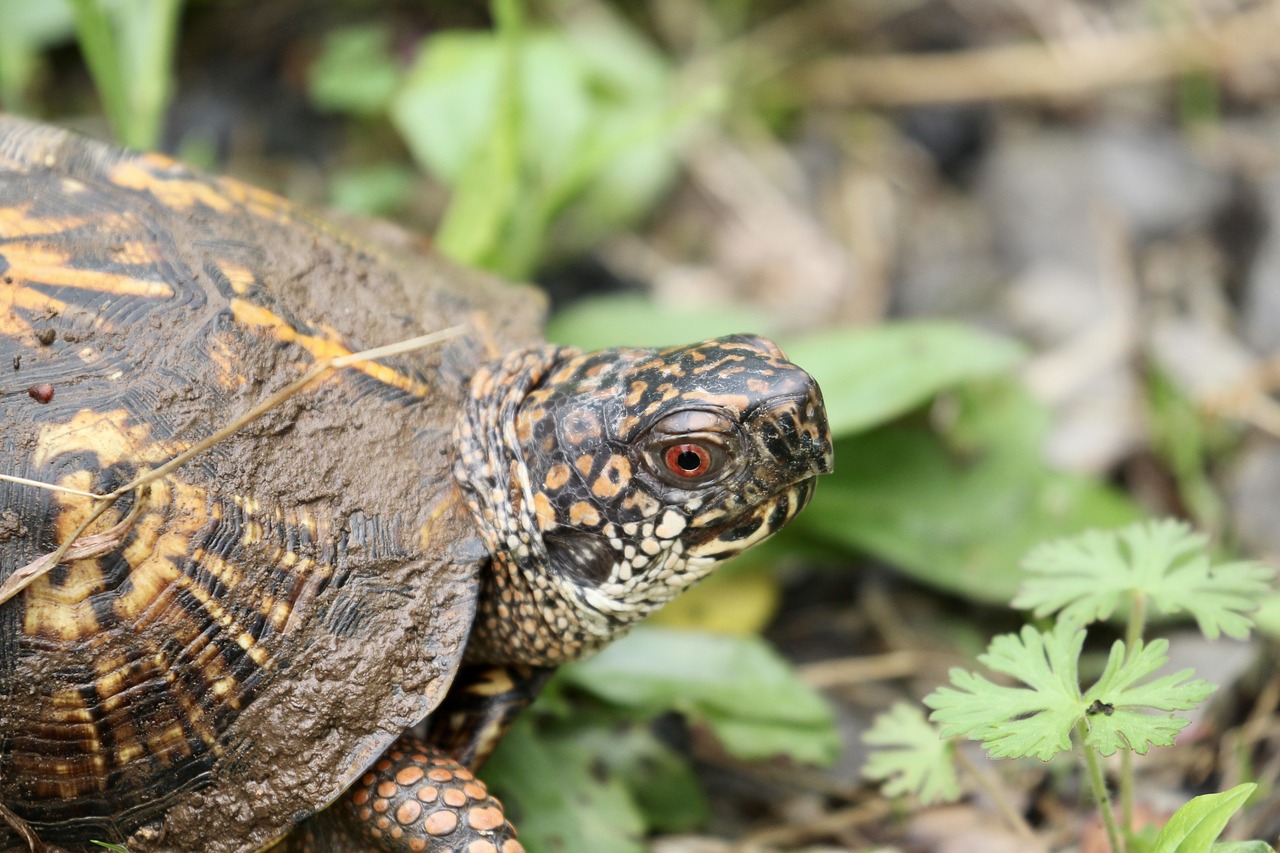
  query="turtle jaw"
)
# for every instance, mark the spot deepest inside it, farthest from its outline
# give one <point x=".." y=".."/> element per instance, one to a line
<point x="748" y="529"/>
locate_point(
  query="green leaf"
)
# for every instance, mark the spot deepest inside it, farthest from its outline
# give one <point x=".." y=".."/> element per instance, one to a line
<point x="1194" y="827"/>
<point x="27" y="29"/>
<point x="560" y="135"/>
<point x="1242" y="847"/>
<point x="959" y="522"/>
<point x="554" y="792"/>
<point x="372" y="190"/>
<point x="870" y="376"/>
<point x="1113" y="719"/>
<point x="1038" y="719"/>
<point x="660" y="780"/>
<point x="912" y="757"/>
<point x="355" y="71"/>
<point x="1085" y="578"/>
<point x="118" y="848"/>
<point x="128" y="46"/>
<point x="638" y="321"/>
<point x="738" y="686"/>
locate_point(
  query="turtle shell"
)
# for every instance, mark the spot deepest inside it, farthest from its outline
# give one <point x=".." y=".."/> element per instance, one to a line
<point x="279" y="609"/>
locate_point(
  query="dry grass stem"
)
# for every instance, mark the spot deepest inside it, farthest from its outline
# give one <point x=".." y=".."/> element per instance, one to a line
<point x="839" y="672"/>
<point x="1068" y="67"/>
<point x="53" y="487"/>
<point x="792" y="836"/>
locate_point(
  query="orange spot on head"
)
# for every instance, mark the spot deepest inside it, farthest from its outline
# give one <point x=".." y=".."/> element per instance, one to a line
<point x="583" y="514"/>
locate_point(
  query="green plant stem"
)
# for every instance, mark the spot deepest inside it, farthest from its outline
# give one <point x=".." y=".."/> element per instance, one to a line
<point x="1137" y="623"/>
<point x="1099" y="785"/>
<point x="1136" y="627"/>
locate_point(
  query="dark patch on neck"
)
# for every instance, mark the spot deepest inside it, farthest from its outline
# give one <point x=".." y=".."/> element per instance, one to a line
<point x="583" y="557"/>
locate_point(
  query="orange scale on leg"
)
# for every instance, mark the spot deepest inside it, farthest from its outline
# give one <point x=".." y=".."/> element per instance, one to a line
<point x="441" y="823"/>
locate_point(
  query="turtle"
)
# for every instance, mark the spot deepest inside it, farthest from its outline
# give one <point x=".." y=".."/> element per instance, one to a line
<point x="241" y="651"/>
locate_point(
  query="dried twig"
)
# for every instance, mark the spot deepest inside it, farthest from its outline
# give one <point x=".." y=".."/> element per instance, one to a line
<point x="101" y="543"/>
<point x="1066" y="67"/>
<point x="23" y="829"/>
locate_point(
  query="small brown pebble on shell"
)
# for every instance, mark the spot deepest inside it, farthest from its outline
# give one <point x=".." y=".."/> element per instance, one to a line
<point x="41" y="393"/>
<point x="46" y="336"/>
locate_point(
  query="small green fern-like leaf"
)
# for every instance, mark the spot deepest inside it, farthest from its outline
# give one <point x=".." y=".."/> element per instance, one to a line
<point x="1038" y="719"/>
<point x="912" y="757"/>
<point x="1085" y="578"/>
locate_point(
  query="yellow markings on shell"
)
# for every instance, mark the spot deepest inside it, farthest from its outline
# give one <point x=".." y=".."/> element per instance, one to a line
<point x="229" y="574"/>
<point x="17" y="296"/>
<point x="424" y="534"/>
<point x="167" y="741"/>
<point x="134" y="252"/>
<point x="252" y="314"/>
<point x="613" y="478"/>
<point x="229" y="371"/>
<point x="583" y="463"/>
<point x="129" y="749"/>
<point x="179" y="193"/>
<point x="252" y="533"/>
<point x="147" y="584"/>
<point x="240" y="276"/>
<point x="17" y="221"/>
<point x="219" y="614"/>
<point x="109" y="435"/>
<point x="32" y="263"/>
<point x="260" y="202"/>
<point x="584" y="514"/>
<point x="63" y="612"/>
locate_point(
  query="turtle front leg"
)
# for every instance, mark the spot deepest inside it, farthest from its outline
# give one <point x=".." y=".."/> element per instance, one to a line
<point x="424" y="797"/>
<point x="414" y="799"/>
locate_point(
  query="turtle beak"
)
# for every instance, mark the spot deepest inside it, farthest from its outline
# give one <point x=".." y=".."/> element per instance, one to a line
<point x="791" y="432"/>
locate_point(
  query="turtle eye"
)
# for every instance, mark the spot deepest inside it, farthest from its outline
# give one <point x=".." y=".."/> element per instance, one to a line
<point x="691" y="448"/>
<point x="688" y="460"/>
<point x="689" y="464"/>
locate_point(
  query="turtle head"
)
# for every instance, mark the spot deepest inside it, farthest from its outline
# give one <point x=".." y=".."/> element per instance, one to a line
<point x="643" y="469"/>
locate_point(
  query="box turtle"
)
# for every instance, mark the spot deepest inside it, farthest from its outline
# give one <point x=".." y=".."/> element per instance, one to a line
<point x="236" y="650"/>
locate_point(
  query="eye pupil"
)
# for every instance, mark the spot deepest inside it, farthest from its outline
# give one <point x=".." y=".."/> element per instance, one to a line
<point x="688" y="460"/>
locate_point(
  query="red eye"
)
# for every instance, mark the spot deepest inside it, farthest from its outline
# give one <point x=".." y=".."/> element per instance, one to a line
<point x="688" y="460"/>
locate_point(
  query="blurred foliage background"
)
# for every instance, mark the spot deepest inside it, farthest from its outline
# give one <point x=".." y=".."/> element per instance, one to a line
<point x="1030" y="249"/>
